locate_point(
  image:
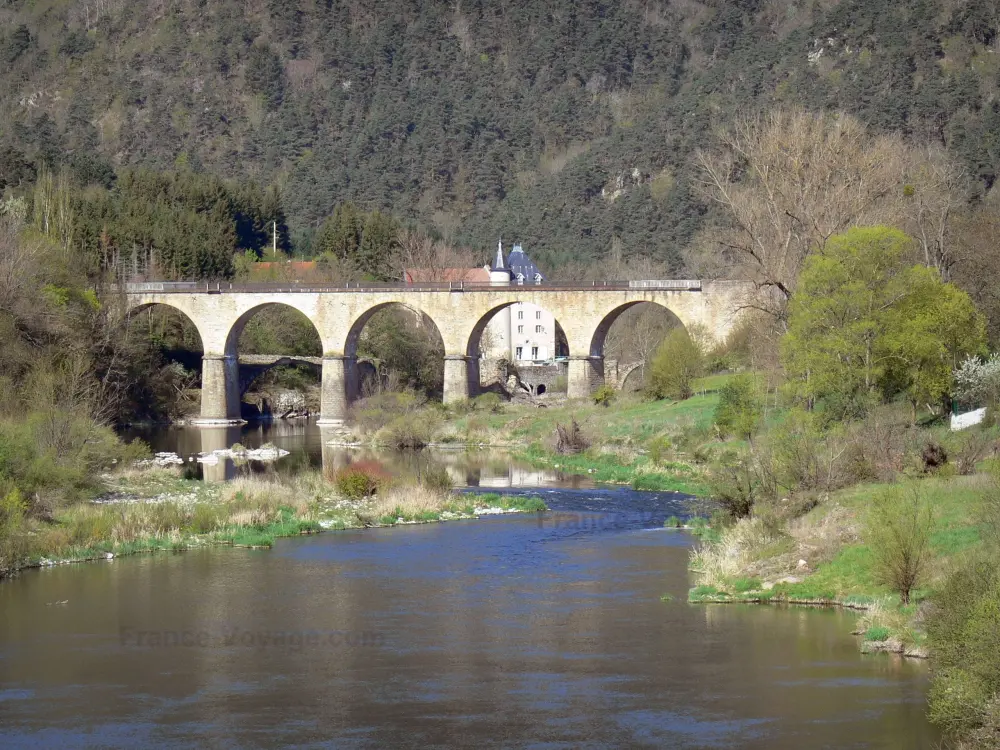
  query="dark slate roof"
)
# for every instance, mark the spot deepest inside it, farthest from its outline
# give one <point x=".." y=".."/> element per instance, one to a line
<point x="519" y="263"/>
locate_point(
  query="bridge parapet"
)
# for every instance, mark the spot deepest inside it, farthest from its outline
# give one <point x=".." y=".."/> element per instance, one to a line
<point x="225" y="287"/>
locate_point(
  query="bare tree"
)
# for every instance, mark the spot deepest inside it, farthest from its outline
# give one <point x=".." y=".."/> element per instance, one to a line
<point x="975" y="257"/>
<point x="637" y="333"/>
<point x="433" y="257"/>
<point x="786" y="182"/>
<point x="936" y="190"/>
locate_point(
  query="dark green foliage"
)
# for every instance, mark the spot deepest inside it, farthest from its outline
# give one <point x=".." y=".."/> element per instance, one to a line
<point x="406" y="351"/>
<point x="366" y="241"/>
<point x="474" y="118"/>
<point x="174" y="225"/>
<point x="76" y="44"/>
<point x="265" y="75"/>
<point x="15" y="43"/>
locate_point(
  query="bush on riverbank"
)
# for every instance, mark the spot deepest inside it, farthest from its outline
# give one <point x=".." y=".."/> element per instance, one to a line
<point x="963" y="627"/>
<point x="361" y="479"/>
<point x="156" y="509"/>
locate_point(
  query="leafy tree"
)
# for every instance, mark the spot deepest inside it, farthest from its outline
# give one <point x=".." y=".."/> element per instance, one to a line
<point x="739" y="411"/>
<point x="866" y="325"/>
<point x="898" y="533"/>
<point x="678" y="362"/>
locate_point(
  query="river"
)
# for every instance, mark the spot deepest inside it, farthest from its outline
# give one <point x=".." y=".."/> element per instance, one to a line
<point x="543" y="631"/>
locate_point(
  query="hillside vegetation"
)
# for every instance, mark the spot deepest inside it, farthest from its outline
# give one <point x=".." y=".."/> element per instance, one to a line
<point x="568" y="124"/>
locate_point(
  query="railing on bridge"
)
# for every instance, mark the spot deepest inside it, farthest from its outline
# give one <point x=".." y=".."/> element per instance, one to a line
<point x="225" y="287"/>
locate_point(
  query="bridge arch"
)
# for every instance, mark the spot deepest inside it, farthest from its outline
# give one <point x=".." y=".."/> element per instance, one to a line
<point x="418" y="328"/>
<point x="134" y="311"/>
<point x="473" y="346"/>
<point x="188" y="351"/>
<point x="357" y="325"/>
<point x="600" y="336"/>
<point x="630" y="377"/>
<point x="239" y="326"/>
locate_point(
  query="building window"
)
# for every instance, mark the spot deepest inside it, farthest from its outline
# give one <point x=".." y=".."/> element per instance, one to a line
<point x="538" y="314"/>
<point x="517" y="352"/>
<point x="534" y="352"/>
<point x="538" y="329"/>
<point x="520" y="314"/>
<point x="520" y="279"/>
<point x="520" y="329"/>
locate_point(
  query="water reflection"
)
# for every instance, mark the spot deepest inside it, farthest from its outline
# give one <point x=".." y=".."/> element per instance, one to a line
<point x="509" y="632"/>
<point x="310" y="447"/>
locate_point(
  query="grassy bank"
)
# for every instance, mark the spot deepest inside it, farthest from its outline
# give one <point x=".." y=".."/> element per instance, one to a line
<point x="652" y="445"/>
<point x="151" y="510"/>
<point x="819" y="558"/>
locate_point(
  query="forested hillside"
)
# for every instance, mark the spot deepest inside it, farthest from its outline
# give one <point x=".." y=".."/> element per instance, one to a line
<point x="567" y="124"/>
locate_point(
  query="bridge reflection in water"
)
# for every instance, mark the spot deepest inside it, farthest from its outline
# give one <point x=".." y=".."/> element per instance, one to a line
<point x="312" y="446"/>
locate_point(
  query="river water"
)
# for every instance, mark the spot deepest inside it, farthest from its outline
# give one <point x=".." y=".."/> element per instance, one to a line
<point x="517" y="631"/>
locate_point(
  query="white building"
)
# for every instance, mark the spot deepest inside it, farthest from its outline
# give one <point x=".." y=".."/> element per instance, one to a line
<point x="522" y="332"/>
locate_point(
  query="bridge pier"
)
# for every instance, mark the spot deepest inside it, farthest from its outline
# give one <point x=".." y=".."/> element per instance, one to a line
<point x="336" y="389"/>
<point x="220" y="390"/>
<point x="456" y="378"/>
<point x="585" y="373"/>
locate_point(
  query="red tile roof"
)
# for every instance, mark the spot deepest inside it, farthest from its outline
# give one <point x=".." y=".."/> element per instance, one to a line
<point x="417" y="275"/>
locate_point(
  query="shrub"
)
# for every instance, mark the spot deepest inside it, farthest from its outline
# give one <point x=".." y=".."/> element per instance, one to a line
<point x="436" y="478"/>
<point x="739" y="410"/>
<point x="934" y="456"/>
<point x="659" y="449"/>
<point x="673" y="523"/>
<point x="205" y="518"/>
<point x="676" y="365"/>
<point x="977" y="383"/>
<point x="962" y="627"/>
<point x="897" y="531"/>
<point x="406" y="432"/>
<point x="360" y="480"/>
<point x="570" y="439"/>
<point x="970" y="447"/>
<point x="490" y="402"/>
<point x="604" y="396"/>
<point x="739" y="485"/>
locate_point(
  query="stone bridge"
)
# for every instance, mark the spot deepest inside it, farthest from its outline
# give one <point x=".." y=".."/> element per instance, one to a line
<point x="459" y="310"/>
<point x="252" y="366"/>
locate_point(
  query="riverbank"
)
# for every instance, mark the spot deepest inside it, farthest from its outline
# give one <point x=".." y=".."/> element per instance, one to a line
<point x="819" y="559"/>
<point x="650" y="445"/>
<point x="153" y="509"/>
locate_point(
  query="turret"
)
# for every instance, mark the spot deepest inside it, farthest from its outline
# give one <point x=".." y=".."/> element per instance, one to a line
<point x="499" y="273"/>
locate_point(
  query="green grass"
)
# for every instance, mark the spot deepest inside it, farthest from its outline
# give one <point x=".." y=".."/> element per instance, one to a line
<point x="743" y="585"/>
<point x="878" y="634"/>
<point x="848" y="576"/>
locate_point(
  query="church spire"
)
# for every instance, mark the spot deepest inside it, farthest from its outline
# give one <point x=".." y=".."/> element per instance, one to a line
<point x="498" y="264"/>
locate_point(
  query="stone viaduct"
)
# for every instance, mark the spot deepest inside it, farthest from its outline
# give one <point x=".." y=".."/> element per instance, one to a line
<point x="459" y="310"/>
